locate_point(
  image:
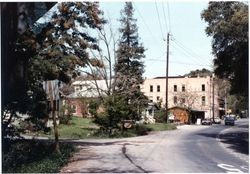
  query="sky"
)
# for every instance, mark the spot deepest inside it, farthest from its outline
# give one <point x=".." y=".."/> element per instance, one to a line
<point x="190" y="47"/>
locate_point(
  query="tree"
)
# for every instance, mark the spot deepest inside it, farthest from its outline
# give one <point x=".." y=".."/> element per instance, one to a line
<point x="187" y="98"/>
<point x="202" y="72"/>
<point x="57" y="48"/>
<point x="228" y="25"/>
<point x="129" y="66"/>
<point x="17" y="18"/>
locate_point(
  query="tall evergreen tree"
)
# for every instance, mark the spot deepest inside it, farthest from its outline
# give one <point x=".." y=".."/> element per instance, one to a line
<point x="129" y="66"/>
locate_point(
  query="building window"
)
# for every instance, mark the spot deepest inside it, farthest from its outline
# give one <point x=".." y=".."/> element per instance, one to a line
<point x="157" y="98"/>
<point x="73" y="107"/>
<point x="203" y="87"/>
<point x="80" y="87"/>
<point x="151" y="88"/>
<point x="175" y="88"/>
<point x="203" y="100"/>
<point x="158" y="88"/>
<point x="183" y="88"/>
<point x="175" y="99"/>
<point x="183" y="100"/>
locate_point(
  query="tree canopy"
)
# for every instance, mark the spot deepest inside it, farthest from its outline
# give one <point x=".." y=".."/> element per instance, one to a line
<point x="228" y="25"/>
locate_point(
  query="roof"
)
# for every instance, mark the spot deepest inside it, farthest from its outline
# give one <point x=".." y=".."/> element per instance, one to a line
<point x="86" y="94"/>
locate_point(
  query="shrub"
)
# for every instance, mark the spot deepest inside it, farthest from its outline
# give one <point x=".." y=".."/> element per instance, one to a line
<point x="66" y="114"/>
<point x="25" y="156"/>
<point x="116" y="110"/>
<point x="159" y="116"/>
<point x="141" y="129"/>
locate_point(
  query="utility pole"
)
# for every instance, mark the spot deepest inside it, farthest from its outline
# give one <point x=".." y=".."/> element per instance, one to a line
<point x="213" y="96"/>
<point x="166" y="104"/>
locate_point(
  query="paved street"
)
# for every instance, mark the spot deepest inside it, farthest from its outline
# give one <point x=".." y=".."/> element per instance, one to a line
<point x="189" y="149"/>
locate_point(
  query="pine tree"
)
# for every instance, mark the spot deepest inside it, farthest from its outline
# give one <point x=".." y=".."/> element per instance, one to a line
<point x="129" y="66"/>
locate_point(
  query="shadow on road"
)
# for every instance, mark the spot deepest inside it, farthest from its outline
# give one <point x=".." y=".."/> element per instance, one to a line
<point x="238" y="141"/>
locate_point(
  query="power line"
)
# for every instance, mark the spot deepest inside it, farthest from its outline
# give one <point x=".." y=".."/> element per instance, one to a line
<point x="165" y="20"/>
<point x="159" y="20"/>
<point x="189" y="53"/>
<point x="187" y="50"/>
<point x="169" y="17"/>
<point x="181" y="50"/>
<point x="151" y="33"/>
<point x="178" y="62"/>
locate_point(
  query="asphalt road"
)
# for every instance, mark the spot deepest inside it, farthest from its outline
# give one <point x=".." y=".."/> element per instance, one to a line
<point x="189" y="149"/>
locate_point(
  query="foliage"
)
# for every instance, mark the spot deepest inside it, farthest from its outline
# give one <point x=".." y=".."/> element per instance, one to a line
<point x="228" y="25"/>
<point x="116" y="110"/>
<point x="93" y="107"/>
<point x="202" y="72"/>
<point x="53" y="50"/>
<point x="159" y="116"/>
<point x="142" y="129"/>
<point x="129" y="66"/>
<point x="66" y="113"/>
<point x="32" y="156"/>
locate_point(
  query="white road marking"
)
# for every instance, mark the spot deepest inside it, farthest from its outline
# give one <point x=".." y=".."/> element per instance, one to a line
<point x="229" y="168"/>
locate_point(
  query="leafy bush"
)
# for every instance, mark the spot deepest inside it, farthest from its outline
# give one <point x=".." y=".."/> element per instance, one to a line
<point x="31" y="156"/>
<point x="159" y="116"/>
<point x="142" y="129"/>
<point x="66" y="114"/>
<point x="116" y="110"/>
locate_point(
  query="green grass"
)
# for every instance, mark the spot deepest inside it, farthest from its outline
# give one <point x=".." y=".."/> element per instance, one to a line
<point x="82" y="128"/>
<point x="161" y="126"/>
<point x="78" y="128"/>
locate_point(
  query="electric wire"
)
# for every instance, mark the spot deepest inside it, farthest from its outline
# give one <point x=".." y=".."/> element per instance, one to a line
<point x="169" y="21"/>
<point x="178" y="62"/>
<point x="144" y="22"/>
<point x="159" y="19"/>
<point x="165" y="20"/>
<point x="188" y="50"/>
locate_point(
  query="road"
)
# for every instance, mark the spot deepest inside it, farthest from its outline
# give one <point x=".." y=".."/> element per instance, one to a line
<point x="189" y="149"/>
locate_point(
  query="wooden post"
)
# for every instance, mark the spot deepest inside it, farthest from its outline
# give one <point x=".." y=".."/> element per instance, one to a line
<point x="51" y="96"/>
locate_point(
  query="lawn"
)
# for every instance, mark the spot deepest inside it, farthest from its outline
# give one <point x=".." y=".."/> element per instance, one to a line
<point x="79" y="128"/>
<point x="161" y="126"/>
<point x="82" y="128"/>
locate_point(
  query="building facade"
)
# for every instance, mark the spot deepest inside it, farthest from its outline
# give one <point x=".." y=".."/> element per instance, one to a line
<point x="196" y="93"/>
<point x="199" y="94"/>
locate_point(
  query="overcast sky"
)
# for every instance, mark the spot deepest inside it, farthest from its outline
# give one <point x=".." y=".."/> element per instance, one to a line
<point x="190" y="48"/>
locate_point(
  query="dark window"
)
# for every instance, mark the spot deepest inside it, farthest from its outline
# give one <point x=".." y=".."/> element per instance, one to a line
<point x="183" y="100"/>
<point x="80" y="87"/>
<point x="157" y="98"/>
<point x="175" y="88"/>
<point x="151" y="88"/>
<point x="158" y="88"/>
<point x="203" y="87"/>
<point x="151" y="101"/>
<point x="175" y="99"/>
<point x="183" y="88"/>
<point x="203" y="100"/>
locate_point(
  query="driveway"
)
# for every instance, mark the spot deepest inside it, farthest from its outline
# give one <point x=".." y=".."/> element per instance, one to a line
<point x="189" y="149"/>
